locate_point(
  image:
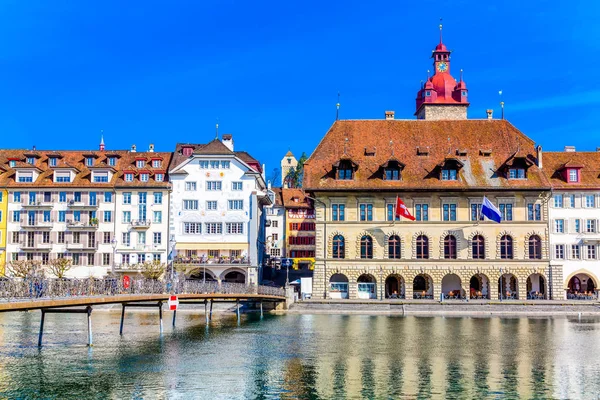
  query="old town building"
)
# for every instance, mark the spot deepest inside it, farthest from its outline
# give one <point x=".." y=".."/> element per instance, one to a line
<point x="3" y="218"/>
<point x="300" y="228"/>
<point x="217" y="203"/>
<point x="275" y="229"/>
<point x="288" y="164"/>
<point x="441" y="165"/>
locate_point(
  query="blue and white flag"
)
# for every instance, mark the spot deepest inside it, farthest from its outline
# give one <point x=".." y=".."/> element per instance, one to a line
<point x="490" y="211"/>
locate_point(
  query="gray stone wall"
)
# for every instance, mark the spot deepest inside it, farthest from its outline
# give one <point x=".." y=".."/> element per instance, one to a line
<point x="435" y="112"/>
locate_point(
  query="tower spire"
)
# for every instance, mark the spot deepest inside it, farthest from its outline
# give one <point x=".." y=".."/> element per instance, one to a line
<point x="102" y="147"/>
<point x="217" y="130"/>
<point x="440" y="31"/>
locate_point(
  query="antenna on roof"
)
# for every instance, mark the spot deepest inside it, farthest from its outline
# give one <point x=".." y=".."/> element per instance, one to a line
<point x="217" y="130"/>
<point x="337" y="106"/>
<point x="440" y="30"/>
<point x="501" y="103"/>
<point x="427" y="75"/>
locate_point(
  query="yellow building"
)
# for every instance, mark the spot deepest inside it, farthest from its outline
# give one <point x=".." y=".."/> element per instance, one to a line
<point x="3" y="231"/>
<point x="300" y="228"/>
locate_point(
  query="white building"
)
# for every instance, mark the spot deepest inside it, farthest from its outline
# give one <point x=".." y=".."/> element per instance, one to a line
<point x="275" y="229"/>
<point x="574" y="217"/>
<point x="218" y="196"/>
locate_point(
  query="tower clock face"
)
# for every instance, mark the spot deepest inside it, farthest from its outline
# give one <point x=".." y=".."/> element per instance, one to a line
<point x="442" y="67"/>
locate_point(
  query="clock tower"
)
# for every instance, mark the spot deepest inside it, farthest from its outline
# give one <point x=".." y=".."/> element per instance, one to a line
<point x="441" y="97"/>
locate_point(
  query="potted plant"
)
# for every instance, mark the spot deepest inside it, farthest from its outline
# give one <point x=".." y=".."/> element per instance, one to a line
<point x="94" y="221"/>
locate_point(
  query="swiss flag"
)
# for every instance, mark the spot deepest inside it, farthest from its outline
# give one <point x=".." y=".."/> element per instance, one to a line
<point x="402" y="210"/>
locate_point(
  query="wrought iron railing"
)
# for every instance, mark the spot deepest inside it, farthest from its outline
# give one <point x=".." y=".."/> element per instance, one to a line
<point x="37" y="288"/>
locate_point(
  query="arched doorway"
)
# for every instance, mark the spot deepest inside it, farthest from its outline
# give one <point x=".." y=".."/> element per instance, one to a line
<point x="423" y="287"/>
<point x="536" y="287"/>
<point x="366" y="286"/>
<point x="479" y="287"/>
<point x="201" y="275"/>
<point x="338" y="286"/>
<point x="581" y="287"/>
<point x="234" y="277"/>
<point x="394" y="287"/>
<point x="508" y="287"/>
<point x="451" y="286"/>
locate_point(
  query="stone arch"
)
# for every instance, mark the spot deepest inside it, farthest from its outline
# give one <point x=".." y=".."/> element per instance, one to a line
<point x="386" y="248"/>
<point x="451" y="283"/>
<point x="234" y="275"/>
<point x="486" y="246"/>
<point x="423" y="286"/>
<point x="330" y="244"/>
<point x="544" y="245"/>
<point x="395" y="283"/>
<point x="366" y="285"/>
<point x="509" y="285"/>
<point x="581" y="271"/>
<point x="536" y="283"/>
<point x="482" y="290"/>
<point x="198" y="274"/>
<point x="414" y="243"/>
<point x="514" y="242"/>
<point x="358" y="240"/>
<point x="338" y="285"/>
<point x="458" y="242"/>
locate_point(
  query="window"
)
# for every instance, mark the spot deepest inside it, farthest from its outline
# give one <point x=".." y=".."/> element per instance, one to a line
<point x="506" y="210"/>
<point x="366" y="212"/>
<point x="590" y="226"/>
<point x="422" y="212"/>
<point x="575" y="252"/>
<point x="366" y="247"/>
<point x="63" y="177"/>
<point x="339" y="247"/>
<point x="391" y="213"/>
<point x="108" y="197"/>
<point x="450" y="247"/>
<point x="190" y="186"/>
<point x="17" y="197"/>
<point x="106" y="238"/>
<point x="144" y="177"/>
<point x="236" y="186"/>
<point x="535" y="247"/>
<point x="89" y="161"/>
<point x="190" y="204"/>
<point x="112" y="161"/>
<point x="159" y="178"/>
<point x="448" y="174"/>
<point x="16" y="216"/>
<point x="338" y="212"/>
<point x="569" y="200"/>
<point x="26" y="177"/>
<point x="140" y="163"/>
<point x="52" y="161"/>
<point x="506" y="247"/>
<point x="157" y="238"/>
<point x="225" y="164"/>
<point x="100" y="177"/>
<point x="107" y="216"/>
<point x="449" y="212"/>
<point x="274" y="223"/>
<point x="475" y="211"/>
<point x="573" y="175"/>
<point x="394" y="247"/>
<point x="61" y="237"/>
<point x="559" y="251"/>
<point x="92" y="199"/>
<point x="275" y="252"/>
<point x="213" y="185"/>
<point x="516" y="173"/>
<point x="590" y="201"/>
<point x="203" y="164"/>
<point x="141" y="238"/>
<point x="478" y="247"/>
<point x="157" y="217"/>
<point x="126" y="217"/>
<point x="141" y="258"/>
<point x="32" y="198"/>
<point x="577" y="226"/>
<point x="45" y="258"/>
<point x="238" y="228"/>
<point x="392" y="174"/>
<point x="127" y="198"/>
<point x="192" y="228"/>
<point x="0" y="197"/>
<point x="30" y="160"/>
<point x="422" y="245"/>
<point x="90" y="259"/>
<point x="46" y="216"/>
<point x="591" y="252"/>
<point x="558" y="201"/>
<point x="214" y="164"/>
<point x="156" y="257"/>
<point x="213" y="228"/>
<point x="211" y="205"/>
<point x="76" y="237"/>
<point x="128" y="177"/>
<point x="77" y="216"/>
<point x="559" y="226"/>
<point x="155" y="163"/>
<point x="304" y="226"/>
<point x="105" y="259"/>
<point x="235" y="204"/>
<point x="0" y="218"/>
<point x="75" y="258"/>
<point x="345" y="171"/>
<point x="534" y="212"/>
<point x="158" y="197"/>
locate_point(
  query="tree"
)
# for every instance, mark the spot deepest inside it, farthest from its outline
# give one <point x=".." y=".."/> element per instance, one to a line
<point x="295" y="175"/>
<point x="275" y="177"/>
<point x="60" y="266"/>
<point x="153" y="270"/>
<point x="24" y="268"/>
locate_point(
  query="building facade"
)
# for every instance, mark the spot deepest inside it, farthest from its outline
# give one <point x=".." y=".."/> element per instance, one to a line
<point x="275" y="229"/>
<point x="3" y="232"/>
<point x="300" y="228"/>
<point x="441" y="165"/>
<point x="216" y="211"/>
<point x="288" y="163"/>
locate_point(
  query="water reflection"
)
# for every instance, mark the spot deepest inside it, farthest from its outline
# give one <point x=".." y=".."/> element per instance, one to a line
<point x="301" y="356"/>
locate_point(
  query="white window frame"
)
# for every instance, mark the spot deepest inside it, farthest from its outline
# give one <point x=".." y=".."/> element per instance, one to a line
<point x="191" y="205"/>
<point x="190" y="186"/>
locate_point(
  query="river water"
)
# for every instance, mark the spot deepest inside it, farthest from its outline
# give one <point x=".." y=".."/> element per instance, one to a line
<point x="299" y="356"/>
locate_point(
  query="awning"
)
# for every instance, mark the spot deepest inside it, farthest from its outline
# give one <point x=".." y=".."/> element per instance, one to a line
<point x="211" y="246"/>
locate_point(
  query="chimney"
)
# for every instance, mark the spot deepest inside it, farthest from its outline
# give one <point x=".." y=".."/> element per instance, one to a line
<point x="227" y="140"/>
<point x="33" y="148"/>
<point x="151" y="148"/>
<point x="269" y="185"/>
<point x="570" y="149"/>
<point x="539" y="156"/>
<point x="597" y="148"/>
<point x="389" y="115"/>
<point x="133" y="148"/>
<point x="489" y="113"/>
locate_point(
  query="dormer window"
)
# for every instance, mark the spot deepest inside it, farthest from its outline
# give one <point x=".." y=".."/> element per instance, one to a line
<point x="449" y="174"/>
<point x="392" y="174"/>
<point x="516" y="173"/>
<point x="129" y="177"/>
<point x="52" y="161"/>
<point x="31" y="160"/>
<point x="100" y="177"/>
<point x="345" y="171"/>
<point x="62" y="177"/>
<point x="140" y="163"/>
<point x="112" y="161"/>
<point x="89" y="161"/>
<point x="144" y="177"/>
<point x="392" y="170"/>
<point x="155" y="163"/>
<point x="187" y="151"/>
<point x="573" y="175"/>
<point x="159" y="177"/>
<point x="427" y="93"/>
<point x="25" y="177"/>
<point x="12" y="163"/>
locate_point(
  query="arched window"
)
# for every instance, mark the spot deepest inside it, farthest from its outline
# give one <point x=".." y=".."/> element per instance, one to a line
<point x="450" y="247"/>
<point x="394" y="246"/>
<point x="366" y="247"/>
<point x="506" y="247"/>
<point x="535" y="247"/>
<point x="339" y="247"/>
<point x="422" y="247"/>
<point x="478" y="245"/>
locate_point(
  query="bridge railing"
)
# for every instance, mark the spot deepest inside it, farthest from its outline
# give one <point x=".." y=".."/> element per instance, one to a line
<point x="37" y="288"/>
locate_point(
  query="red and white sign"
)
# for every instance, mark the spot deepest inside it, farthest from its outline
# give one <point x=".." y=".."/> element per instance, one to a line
<point x="402" y="210"/>
<point x="173" y="303"/>
<point x="126" y="282"/>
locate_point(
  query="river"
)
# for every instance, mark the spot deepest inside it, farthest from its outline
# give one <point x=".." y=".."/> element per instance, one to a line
<point x="299" y="356"/>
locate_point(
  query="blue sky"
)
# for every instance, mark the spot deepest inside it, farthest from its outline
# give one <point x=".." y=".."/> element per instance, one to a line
<point x="161" y="72"/>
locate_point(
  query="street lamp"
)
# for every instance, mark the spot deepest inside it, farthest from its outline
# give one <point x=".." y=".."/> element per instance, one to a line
<point x="501" y="284"/>
<point x="114" y="246"/>
<point x="170" y="255"/>
<point x="324" y="243"/>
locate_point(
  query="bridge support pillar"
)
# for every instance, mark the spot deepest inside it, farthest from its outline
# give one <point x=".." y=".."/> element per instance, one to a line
<point x="122" y="319"/>
<point x="206" y="311"/>
<point x="41" y="328"/>
<point x="237" y="308"/>
<point x="160" y="317"/>
<point x="210" y="314"/>
<point x="261" y="309"/>
<point x="89" y="321"/>
<point x="87" y="310"/>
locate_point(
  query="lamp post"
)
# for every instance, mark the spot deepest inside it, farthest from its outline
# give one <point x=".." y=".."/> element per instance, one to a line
<point x="324" y="243"/>
<point x="171" y="249"/>
<point x="501" y="284"/>
<point x="114" y="246"/>
<point x="381" y="285"/>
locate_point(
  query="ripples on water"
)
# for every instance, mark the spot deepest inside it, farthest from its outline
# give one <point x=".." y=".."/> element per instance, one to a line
<point x="300" y="356"/>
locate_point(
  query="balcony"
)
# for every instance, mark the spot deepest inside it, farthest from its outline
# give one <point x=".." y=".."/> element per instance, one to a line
<point x="81" y="226"/>
<point x="36" y="225"/>
<point x="32" y="246"/>
<point x="38" y="205"/>
<point x="80" y="205"/>
<point x="82" y="246"/>
<point x="140" y="223"/>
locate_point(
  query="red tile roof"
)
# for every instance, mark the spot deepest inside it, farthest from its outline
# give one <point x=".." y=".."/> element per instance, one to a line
<point x="587" y="162"/>
<point x="295" y="198"/>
